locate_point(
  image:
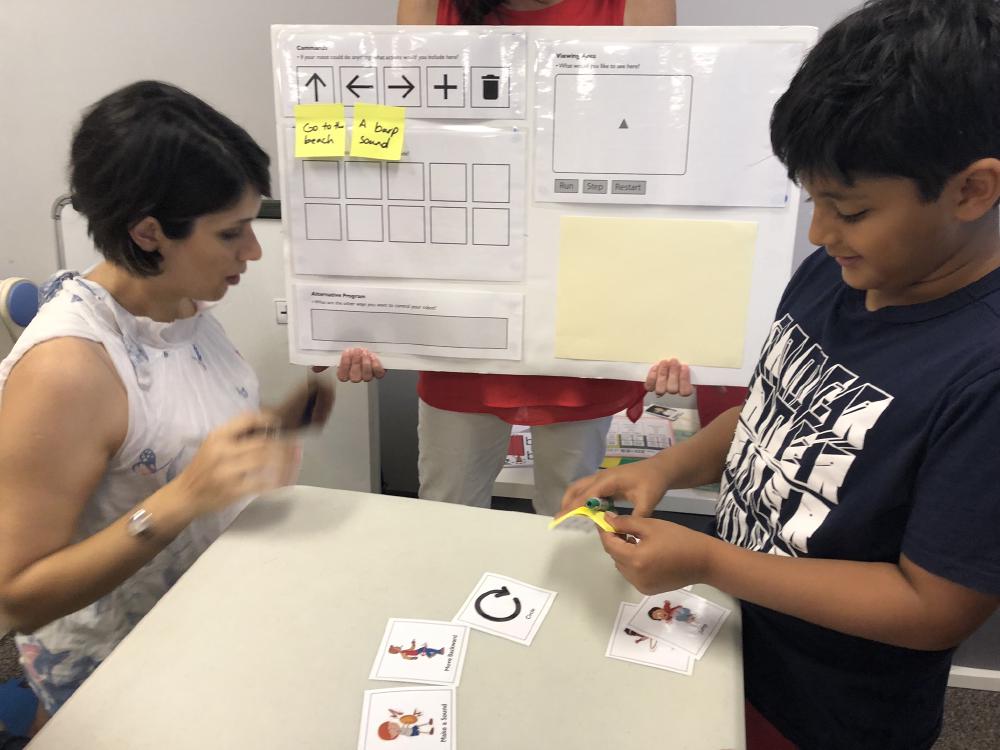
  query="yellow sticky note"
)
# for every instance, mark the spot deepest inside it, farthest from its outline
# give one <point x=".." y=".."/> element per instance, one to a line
<point x="377" y="132"/>
<point x="638" y="290"/>
<point x="319" y="130"/>
<point x="597" y="516"/>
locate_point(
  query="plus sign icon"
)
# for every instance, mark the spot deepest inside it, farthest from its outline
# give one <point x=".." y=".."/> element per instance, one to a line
<point x="445" y="86"/>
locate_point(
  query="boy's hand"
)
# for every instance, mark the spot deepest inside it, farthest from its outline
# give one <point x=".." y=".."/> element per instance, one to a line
<point x="669" y="376"/>
<point x="642" y="483"/>
<point x="666" y="557"/>
<point x="359" y="365"/>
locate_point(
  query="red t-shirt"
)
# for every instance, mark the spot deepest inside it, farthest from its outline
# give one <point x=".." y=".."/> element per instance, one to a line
<point x="565" y="13"/>
<point x="532" y="399"/>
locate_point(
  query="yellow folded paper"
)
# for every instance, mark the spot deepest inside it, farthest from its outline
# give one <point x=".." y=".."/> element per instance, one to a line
<point x="597" y="516"/>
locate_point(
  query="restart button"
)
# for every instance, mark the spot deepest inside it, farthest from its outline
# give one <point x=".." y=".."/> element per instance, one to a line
<point x="628" y="187"/>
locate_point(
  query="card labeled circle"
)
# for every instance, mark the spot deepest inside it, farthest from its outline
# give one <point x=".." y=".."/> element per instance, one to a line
<point x="506" y="607"/>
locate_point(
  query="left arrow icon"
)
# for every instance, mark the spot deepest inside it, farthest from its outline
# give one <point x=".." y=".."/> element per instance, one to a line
<point x="355" y="85"/>
<point x="315" y="81"/>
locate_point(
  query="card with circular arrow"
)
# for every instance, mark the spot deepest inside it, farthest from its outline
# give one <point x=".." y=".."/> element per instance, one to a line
<point x="506" y="607"/>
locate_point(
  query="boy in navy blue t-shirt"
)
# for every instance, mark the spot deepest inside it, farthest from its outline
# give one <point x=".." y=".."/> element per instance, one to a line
<point x="859" y="516"/>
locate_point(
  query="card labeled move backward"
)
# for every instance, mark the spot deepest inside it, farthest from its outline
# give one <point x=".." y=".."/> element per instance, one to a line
<point x="421" y="651"/>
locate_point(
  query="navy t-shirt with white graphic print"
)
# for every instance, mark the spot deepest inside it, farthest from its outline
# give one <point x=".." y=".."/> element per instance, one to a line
<point x="865" y="435"/>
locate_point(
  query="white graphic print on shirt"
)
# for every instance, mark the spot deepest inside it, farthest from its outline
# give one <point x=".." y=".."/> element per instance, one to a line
<point x="803" y="424"/>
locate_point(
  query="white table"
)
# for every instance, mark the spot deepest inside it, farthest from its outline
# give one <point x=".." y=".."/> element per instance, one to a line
<point x="268" y="641"/>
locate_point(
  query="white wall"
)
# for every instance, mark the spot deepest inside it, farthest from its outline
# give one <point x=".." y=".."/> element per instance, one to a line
<point x="57" y="57"/>
<point x="819" y="13"/>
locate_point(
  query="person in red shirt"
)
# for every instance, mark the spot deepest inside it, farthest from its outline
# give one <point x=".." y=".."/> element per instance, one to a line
<point x="465" y="418"/>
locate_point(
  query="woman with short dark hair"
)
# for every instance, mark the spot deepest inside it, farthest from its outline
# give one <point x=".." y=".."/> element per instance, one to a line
<point x="130" y="429"/>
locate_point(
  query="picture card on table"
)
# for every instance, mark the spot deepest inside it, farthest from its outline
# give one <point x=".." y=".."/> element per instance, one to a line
<point x="506" y="607"/>
<point x="629" y="645"/>
<point x="421" y="651"/>
<point x="681" y="619"/>
<point x="425" y="717"/>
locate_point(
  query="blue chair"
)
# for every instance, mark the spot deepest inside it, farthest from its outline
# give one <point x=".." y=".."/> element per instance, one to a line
<point x="17" y="709"/>
<point x="18" y="304"/>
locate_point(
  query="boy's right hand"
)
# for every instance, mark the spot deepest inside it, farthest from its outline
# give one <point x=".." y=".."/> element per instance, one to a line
<point x="245" y="456"/>
<point x="358" y="365"/>
<point x="642" y="483"/>
<point x="667" y="556"/>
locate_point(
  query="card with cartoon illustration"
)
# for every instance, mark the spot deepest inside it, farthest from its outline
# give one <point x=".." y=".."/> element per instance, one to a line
<point x="629" y="645"/>
<point x="506" y="607"/>
<point x="421" y="651"/>
<point x="681" y="619"/>
<point x="667" y="412"/>
<point x="408" y="717"/>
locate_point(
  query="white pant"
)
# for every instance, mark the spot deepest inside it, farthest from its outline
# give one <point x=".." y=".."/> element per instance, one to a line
<point x="461" y="454"/>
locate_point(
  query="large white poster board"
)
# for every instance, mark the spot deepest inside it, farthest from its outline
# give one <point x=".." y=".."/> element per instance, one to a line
<point x="468" y="254"/>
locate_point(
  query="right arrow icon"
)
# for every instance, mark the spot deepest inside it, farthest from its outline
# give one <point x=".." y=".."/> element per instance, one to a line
<point x="409" y="87"/>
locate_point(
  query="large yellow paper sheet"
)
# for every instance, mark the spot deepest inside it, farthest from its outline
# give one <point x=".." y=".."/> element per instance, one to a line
<point x="639" y="290"/>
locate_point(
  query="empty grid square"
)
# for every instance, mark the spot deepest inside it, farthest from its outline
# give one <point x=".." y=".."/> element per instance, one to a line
<point x="448" y="225"/>
<point x="406" y="224"/>
<point x="406" y="181"/>
<point x="321" y="179"/>
<point x="364" y="223"/>
<point x="323" y="221"/>
<point x="490" y="226"/>
<point x="448" y="182"/>
<point x="364" y="179"/>
<point x="491" y="183"/>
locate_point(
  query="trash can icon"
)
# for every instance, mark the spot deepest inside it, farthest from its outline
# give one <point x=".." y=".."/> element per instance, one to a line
<point x="491" y="87"/>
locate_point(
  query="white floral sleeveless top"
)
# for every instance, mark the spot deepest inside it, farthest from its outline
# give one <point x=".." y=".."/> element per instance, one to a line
<point x="183" y="379"/>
